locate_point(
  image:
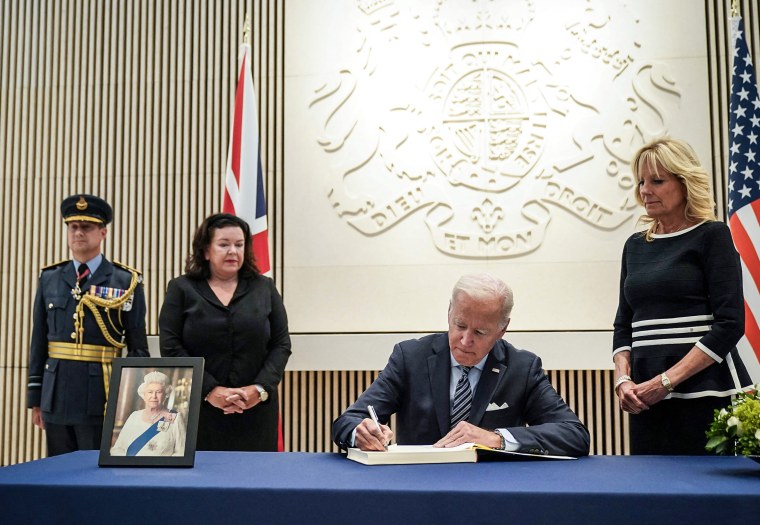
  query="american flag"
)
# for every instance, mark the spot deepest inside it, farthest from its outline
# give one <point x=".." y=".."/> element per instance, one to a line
<point x="744" y="189"/>
<point x="244" y="183"/>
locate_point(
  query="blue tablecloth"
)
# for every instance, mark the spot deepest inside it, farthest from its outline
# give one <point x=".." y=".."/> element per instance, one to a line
<point x="227" y="487"/>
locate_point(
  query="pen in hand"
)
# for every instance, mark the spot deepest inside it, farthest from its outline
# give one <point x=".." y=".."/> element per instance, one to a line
<point x="373" y="415"/>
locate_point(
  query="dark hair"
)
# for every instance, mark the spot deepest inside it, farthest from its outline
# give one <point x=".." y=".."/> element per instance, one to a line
<point x="196" y="265"/>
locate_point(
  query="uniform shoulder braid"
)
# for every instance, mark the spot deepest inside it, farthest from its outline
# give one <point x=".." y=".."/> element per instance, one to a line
<point x="100" y="299"/>
<point x="134" y="272"/>
<point x="128" y="268"/>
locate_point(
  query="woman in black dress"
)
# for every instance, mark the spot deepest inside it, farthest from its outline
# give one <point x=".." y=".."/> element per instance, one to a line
<point x="224" y="310"/>
<point x="681" y="308"/>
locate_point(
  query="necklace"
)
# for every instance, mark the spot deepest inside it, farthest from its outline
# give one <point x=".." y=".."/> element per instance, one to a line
<point x="153" y="418"/>
<point x="661" y="228"/>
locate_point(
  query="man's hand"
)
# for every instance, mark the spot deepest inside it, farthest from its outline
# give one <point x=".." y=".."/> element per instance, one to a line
<point x="37" y="418"/>
<point x="466" y="432"/>
<point x="369" y="438"/>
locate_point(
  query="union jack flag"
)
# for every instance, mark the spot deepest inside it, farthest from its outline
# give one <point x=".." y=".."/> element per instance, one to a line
<point x="244" y="182"/>
<point x="744" y="189"/>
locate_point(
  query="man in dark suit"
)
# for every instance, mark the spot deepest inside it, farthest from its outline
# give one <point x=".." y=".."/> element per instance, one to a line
<point x="85" y="312"/>
<point x="468" y="385"/>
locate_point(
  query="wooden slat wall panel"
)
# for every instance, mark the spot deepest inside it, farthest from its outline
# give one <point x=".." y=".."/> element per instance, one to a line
<point x="131" y="100"/>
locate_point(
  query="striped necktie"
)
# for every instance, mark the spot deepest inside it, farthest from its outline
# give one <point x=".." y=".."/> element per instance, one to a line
<point x="460" y="409"/>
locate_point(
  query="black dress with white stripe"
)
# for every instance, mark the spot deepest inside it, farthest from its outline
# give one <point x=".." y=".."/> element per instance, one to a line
<point x="678" y="291"/>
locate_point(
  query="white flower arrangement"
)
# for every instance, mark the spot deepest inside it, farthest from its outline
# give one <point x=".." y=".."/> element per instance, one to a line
<point x="736" y="429"/>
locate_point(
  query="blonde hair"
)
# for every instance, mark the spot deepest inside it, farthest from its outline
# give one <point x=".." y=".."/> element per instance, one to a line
<point x="679" y="159"/>
<point x="486" y="286"/>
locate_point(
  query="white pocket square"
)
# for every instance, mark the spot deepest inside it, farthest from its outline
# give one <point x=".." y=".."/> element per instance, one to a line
<point x="494" y="406"/>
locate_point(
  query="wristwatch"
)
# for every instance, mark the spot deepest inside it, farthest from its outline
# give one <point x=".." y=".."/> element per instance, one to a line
<point x="666" y="382"/>
<point x="263" y="394"/>
<point x="503" y="442"/>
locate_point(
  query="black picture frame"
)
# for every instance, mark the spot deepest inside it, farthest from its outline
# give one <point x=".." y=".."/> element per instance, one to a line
<point x="158" y="445"/>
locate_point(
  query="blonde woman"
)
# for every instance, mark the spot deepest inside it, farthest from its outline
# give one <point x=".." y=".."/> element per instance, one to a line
<point x="681" y="307"/>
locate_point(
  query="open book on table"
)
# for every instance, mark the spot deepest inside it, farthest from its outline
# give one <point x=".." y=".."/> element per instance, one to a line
<point x="418" y="454"/>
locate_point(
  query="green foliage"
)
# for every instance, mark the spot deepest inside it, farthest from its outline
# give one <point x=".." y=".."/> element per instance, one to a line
<point x="736" y="428"/>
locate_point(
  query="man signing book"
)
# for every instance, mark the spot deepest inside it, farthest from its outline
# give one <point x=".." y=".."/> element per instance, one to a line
<point x="466" y="386"/>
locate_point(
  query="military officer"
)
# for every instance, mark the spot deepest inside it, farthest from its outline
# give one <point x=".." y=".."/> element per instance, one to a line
<point x="86" y="311"/>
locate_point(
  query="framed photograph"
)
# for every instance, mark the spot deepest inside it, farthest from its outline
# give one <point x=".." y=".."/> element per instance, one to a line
<point x="152" y="412"/>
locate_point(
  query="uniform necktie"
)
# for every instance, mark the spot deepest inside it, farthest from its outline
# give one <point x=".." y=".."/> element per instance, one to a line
<point x="462" y="398"/>
<point x="83" y="272"/>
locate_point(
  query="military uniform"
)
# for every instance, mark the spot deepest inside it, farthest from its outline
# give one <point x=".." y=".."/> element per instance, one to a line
<point x="76" y="334"/>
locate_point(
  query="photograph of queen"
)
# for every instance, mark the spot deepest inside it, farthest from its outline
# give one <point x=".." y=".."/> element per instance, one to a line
<point x="157" y="429"/>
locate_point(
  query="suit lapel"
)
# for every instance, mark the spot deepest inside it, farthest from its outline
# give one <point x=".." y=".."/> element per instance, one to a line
<point x="439" y="371"/>
<point x="241" y="289"/>
<point x="206" y="292"/>
<point x="69" y="275"/>
<point x="204" y="289"/>
<point x="101" y="276"/>
<point x="493" y="373"/>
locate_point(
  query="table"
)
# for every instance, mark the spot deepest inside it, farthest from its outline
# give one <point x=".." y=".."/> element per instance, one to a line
<point x="293" y="488"/>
